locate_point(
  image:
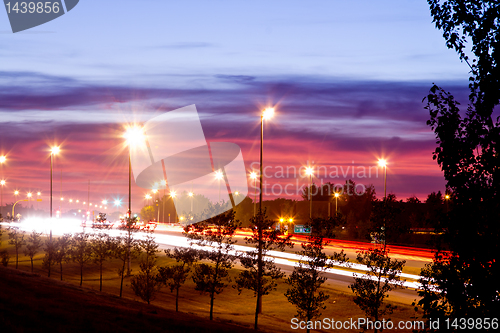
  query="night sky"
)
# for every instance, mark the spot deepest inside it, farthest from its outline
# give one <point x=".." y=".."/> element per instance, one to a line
<point x="347" y="80"/>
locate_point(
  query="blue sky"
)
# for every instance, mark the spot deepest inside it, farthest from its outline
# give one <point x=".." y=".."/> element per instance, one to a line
<point x="347" y="79"/>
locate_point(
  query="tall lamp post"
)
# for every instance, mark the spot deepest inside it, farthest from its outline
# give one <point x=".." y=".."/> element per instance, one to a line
<point x="2" y="182"/>
<point x="219" y="176"/>
<point x="29" y="195"/>
<point x="310" y="172"/>
<point x="190" y="194"/>
<point x="155" y="199"/>
<point x="54" y="151"/>
<point x="172" y="195"/>
<point x="336" y="199"/>
<point x="253" y="176"/>
<point x="134" y="135"/>
<point x="266" y="115"/>
<point x="383" y="163"/>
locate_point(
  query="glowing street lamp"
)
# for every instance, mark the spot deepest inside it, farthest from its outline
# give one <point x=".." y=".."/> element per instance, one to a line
<point x="383" y="163"/>
<point x="267" y="114"/>
<point x="133" y="135"/>
<point x="310" y="173"/>
<point x="29" y="195"/>
<point x="147" y="197"/>
<point x="53" y="151"/>
<point x="190" y="194"/>
<point x="219" y="176"/>
<point x="336" y="199"/>
<point x="447" y="198"/>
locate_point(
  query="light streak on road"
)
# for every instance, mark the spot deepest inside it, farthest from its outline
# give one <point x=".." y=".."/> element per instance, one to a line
<point x="62" y="226"/>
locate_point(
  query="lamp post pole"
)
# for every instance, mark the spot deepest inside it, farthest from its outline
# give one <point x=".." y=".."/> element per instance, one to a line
<point x="2" y="182"/>
<point x="310" y="196"/>
<point x="129" y="213"/>
<point x="51" y="162"/>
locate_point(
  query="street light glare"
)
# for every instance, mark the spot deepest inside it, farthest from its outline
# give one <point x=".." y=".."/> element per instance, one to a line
<point x="38" y="193"/>
<point x="337" y="194"/>
<point x="190" y="194"/>
<point x="309" y="171"/>
<point x="253" y="175"/>
<point x="29" y="194"/>
<point x="16" y="192"/>
<point x="155" y="191"/>
<point x="55" y="150"/>
<point x="2" y="159"/>
<point x="134" y="135"/>
<point x="105" y="202"/>
<point x="118" y="203"/>
<point x="382" y="163"/>
<point x="447" y="197"/>
<point x="218" y="175"/>
<point x="268" y="113"/>
<point x="172" y="194"/>
<point x="2" y="182"/>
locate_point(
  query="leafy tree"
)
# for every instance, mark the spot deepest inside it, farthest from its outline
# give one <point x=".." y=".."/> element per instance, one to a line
<point x="50" y="252"/>
<point x="16" y="238"/>
<point x="62" y="253"/>
<point x="464" y="284"/>
<point x="175" y="275"/>
<point x="148" y="213"/>
<point x="413" y="200"/>
<point x="383" y="275"/>
<point x="4" y="254"/>
<point x="102" y="249"/>
<point x="129" y="227"/>
<point x="307" y="276"/>
<point x="217" y="233"/>
<point x="260" y="274"/>
<point x="33" y="245"/>
<point x="125" y="248"/>
<point x="81" y="251"/>
<point x="146" y="283"/>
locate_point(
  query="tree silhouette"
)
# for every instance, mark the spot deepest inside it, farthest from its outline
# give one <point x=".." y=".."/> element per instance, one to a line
<point x="33" y="245"/>
<point x="217" y="233"/>
<point x="16" y="238"/>
<point x="383" y="275"/>
<point x="146" y="284"/>
<point x="260" y="274"/>
<point x="308" y="276"/>
<point x="63" y="251"/>
<point x="464" y="284"/>
<point x="175" y="275"/>
<point x="81" y="251"/>
<point x="102" y="249"/>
